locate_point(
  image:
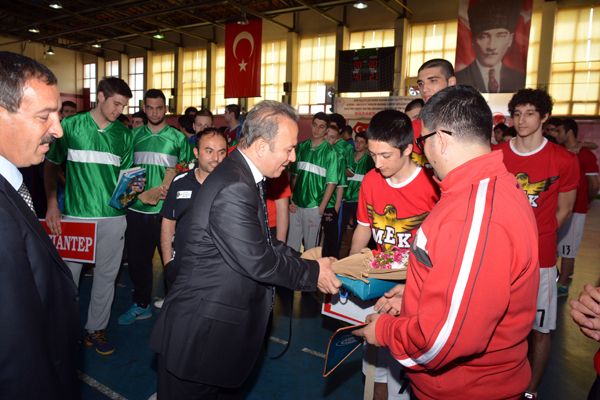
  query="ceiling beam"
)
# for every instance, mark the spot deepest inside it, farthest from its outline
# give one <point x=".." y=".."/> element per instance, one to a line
<point x="320" y="12"/>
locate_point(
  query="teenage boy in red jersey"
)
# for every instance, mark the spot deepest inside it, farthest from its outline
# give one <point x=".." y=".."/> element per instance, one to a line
<point x="571" y="233"/>
<point x="467" y="306"/>
<point x="549" y="175"/>
<point x="393" y="201"/>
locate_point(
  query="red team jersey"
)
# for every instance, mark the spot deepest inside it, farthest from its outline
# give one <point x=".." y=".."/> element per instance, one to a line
<point x="395" y="212"/>
<point x="588" y="165"/>
<point x="542" y="174"/>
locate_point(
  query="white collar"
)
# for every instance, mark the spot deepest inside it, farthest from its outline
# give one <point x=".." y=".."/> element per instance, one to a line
<point x="258" y="176"/>
<point x="11" y="173"/>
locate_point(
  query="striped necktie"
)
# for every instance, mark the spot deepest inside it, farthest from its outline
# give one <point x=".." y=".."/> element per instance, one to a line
<point x="24" y="193"/>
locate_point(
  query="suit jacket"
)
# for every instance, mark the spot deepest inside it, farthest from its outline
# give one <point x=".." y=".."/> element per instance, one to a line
<point x="511" y="80"/>
<point x="213" y="322"/>
<point x="39" y="308"/>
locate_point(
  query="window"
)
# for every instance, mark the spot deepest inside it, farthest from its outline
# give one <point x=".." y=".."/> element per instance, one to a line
<point x="272" y="71"/>
<point x="89" y="81"/>
<point x="163" y="74"/>
<point x="575" y="69"/>
<point x="194" y="78"/>
<point x="136" y="83"/>
<point x="369" y="40"/>
<point x="316" y="70"/>
<point x="430" y="40"/>
<point x="111" y="68"/>
<point x="533" y="52"/>
<point x="218" y="101"/>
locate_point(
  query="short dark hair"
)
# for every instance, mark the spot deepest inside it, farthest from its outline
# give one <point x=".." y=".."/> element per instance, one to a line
<point x="124" y="119"/>
<point x="536" y="97"/>
<point x="322" y="116"/>
<point x="392" y="127"/>
<point x="68" y="103"/>
<point x="462" y="110"/>
<point x="361" y="135"/>
<point x="570" y="125"/>
<point x="348" y="129"/>
<point x="210" y="131"/>
<point x="556" y="121"/>
<point x="142" y="115"/>
<point x="339" y="120"/>
<point x="502" y="126"/>
<point x="204" y="112"/>
<point x="261" y="122"/>
<point x="235" y="109"/>
<point x="416" y="103"/>
<point x="186" y="122"/>
<point x="511" y="131"/>
<point x="445" y="65"/>
<point x="190" y="110"/>
<point x="15" y="71"/>
<point x="155" y="94"/>
<point x="112" y="85"/>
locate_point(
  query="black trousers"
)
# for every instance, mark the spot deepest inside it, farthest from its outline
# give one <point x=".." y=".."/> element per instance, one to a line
<point x="171" y="387"/>
<point x="330" y="233"/>
<point x="595" y="390"/>
<point x="142" y="238"/>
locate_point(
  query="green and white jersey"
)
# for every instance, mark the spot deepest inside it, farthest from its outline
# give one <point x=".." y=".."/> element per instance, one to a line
<point x="342" y="178"/>
<point x="93" y="158"/>
<point x="314" y="169"/>
<point x="360" y="168"/>
<point x="156" y="152"/>
<point x="346" y="150"/>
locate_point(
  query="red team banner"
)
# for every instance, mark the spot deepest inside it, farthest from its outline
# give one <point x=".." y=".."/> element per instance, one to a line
<point x="77" y="242"/>
<point x="243" y="45"/>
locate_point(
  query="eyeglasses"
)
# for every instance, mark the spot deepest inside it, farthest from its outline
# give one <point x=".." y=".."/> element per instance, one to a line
<point x="421" y="139"/>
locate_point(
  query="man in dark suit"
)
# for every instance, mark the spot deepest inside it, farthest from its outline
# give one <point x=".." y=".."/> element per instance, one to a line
<point x="213" y="324"/>
<point x="493" y="24"/>
<point x="39" y="320"/>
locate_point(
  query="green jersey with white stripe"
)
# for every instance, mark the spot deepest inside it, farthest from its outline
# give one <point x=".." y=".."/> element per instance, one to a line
<point x="93" y="158"/>
<point x="360" y="168"/>
<point x="346" y="150"/>
<point x="156" y="152"/>
<point x="342" y="178"/>
<point x="314" y="169"/>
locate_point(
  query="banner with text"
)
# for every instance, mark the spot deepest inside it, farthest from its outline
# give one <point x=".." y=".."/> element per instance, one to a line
<point x="77" y="242"/>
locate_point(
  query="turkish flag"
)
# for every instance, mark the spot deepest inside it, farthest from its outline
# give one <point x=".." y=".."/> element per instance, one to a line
<point x="243" y="44"/>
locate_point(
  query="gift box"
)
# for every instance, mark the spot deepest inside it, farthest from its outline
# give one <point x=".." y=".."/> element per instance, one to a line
<point x="372" y="289"/>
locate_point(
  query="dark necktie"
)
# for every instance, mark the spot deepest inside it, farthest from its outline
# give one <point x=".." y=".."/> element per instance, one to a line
<point x="262" y="193"/>
<point x="24" y="193"/>
<point x="492" y="82"/>
<point x="263" y="201"/>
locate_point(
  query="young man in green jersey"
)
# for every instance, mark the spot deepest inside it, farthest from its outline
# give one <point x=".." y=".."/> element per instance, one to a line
<point x="95" y="147"/>
<point x="362" y="162"/>
<point x="156" y="147"/>
<point x="315" y="175"/>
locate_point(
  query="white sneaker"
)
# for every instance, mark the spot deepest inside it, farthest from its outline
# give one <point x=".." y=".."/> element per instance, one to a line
<point x="159" y="303"/>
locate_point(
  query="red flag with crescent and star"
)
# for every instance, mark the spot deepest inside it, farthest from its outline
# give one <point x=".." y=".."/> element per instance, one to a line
<point x="243" y="44"/>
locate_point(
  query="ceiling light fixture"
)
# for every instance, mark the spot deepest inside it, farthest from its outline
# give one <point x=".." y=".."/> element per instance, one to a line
<point x="243" y="20"/>
<point x="34" y="30"/>
<point x="50" y="51"/>
<point x="55" y="4"/>
<point x="96" y="45"/>
<point x="360" y="5"/>
<point x="158" y="35"/>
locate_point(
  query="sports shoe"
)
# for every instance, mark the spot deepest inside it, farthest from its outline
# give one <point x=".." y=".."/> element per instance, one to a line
<point x="98" y="340"/>
<point x="562" y="290"/>
<point x="529" y="396"/>
<point x="134" y="313"/>
<point x="159" y="303"/>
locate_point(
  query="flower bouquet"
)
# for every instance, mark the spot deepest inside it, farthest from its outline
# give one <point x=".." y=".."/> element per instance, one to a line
<point x="370" y="273"/>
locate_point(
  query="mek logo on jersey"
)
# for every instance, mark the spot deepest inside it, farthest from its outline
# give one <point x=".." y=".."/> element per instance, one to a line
<point x="533" y="190"/>
<point x="388" y="230"/>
